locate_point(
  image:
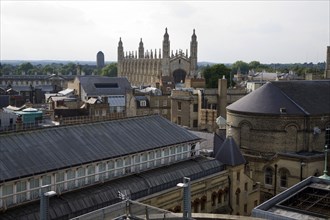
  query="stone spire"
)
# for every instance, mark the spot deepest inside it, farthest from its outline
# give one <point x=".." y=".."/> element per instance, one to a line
<point x="193" y="54"/>
<point x="141" y="49"/>
<point x="120" y="50"/>
<point x="166" y="45"/>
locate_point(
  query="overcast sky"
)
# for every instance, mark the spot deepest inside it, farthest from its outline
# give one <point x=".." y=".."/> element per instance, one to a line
<point x="227" y="31"/>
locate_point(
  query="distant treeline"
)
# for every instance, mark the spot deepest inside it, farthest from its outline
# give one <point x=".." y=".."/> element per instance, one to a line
<point x="89" y="68"/>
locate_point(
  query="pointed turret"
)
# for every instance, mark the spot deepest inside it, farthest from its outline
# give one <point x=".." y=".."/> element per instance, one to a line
<point x="141" y="49"/>
<point x="228" y="152"/>
<point x="166" y="45"/>
<point x="193" y="54"/>
<point x="166" y="55"/>
<point x="120" y="50"/>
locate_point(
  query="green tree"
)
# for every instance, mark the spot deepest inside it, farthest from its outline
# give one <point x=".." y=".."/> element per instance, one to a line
<point x="48" y="69"/>
<point x="25" y="68"/>
<point x="69" y="69"/>
<point x="109" y="70"/>
<point x="6" y="69"/>
<point x="215" y="72"/>
<point x="244" y="67"/>
<point x="254" y="65"/>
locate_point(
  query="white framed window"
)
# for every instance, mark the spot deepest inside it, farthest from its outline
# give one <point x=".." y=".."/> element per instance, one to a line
<point x="34" y="183"/>
<point x="143" y="103"/>
<point x="144" y="158"/>
<point x="127" y="165"/>
<point x="59" y="177"/>
<point x="111" y="168"/>
<point x="166" y="155"/>
<point x="172" y="154"/>
<point x="151" y="159"/>
<point x="46" y="180"/>
<point x="90" y="173"/>
<point x="71" y="175"/>
<point x="102" y="168"/>
<point x="8" y="190"/>
<point x="119" y="167"/>
<point x="21" y="186"/>
<point x="81" y="172"/>
<point x="158" y="157"/>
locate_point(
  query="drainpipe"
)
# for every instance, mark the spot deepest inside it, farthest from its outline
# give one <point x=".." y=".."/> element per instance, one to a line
<point x="229" y="200"/>
<point x="275" y="183"/>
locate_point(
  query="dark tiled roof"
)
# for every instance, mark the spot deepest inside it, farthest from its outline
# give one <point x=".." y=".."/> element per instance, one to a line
<point x="228" y="153"/>
<point x="39" y="151"/>
<point x="88" y="84"/>
<point x="71" y="204"/>
<point x="297" y="97"/>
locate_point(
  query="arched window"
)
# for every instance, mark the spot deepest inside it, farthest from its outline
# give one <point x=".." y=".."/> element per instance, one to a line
<point x="225" y="195"/>
<point x="220" y="193"/>
<point x="269" y="176"/>
<point x="284" y="173"/>
<point x="203" y="203"/>
<point x="196" y="204"/>
<point x="237" y="193"/>
<point x="214" y="197"/>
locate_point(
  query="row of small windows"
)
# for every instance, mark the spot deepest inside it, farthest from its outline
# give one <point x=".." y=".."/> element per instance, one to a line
<point x="27" y="83"/>
<point x="68" y="180"/>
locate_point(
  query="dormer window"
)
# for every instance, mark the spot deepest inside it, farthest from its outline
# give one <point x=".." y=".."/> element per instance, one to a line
<point x="143" y="103"/>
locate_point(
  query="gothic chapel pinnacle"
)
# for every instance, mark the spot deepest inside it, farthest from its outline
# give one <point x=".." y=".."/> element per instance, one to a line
<point x="147" y="68"/>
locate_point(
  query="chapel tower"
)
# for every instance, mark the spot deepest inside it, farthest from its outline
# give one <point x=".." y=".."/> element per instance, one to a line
<point x="144" y="68"/>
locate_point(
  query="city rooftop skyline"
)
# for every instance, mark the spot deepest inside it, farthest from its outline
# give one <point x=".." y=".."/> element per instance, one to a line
<point x="227" y="31"/>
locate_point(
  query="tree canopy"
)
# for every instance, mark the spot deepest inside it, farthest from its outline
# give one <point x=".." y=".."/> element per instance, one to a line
<point x="215" y="72"/>
<point x="109" y="70"/>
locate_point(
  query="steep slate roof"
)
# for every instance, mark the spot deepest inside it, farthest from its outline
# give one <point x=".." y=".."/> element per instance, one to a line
<point x="297" y="97"/>
<point x="88" y="85"/>
<point x="39" y="151"/>
<point x="228" y="153"/>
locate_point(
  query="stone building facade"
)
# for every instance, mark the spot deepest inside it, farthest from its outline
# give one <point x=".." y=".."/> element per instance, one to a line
<point x="282" y="129"/>
<point x="198" y="108"/>
<point x="148" y="103"/>
<point x="150" y="67"/>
